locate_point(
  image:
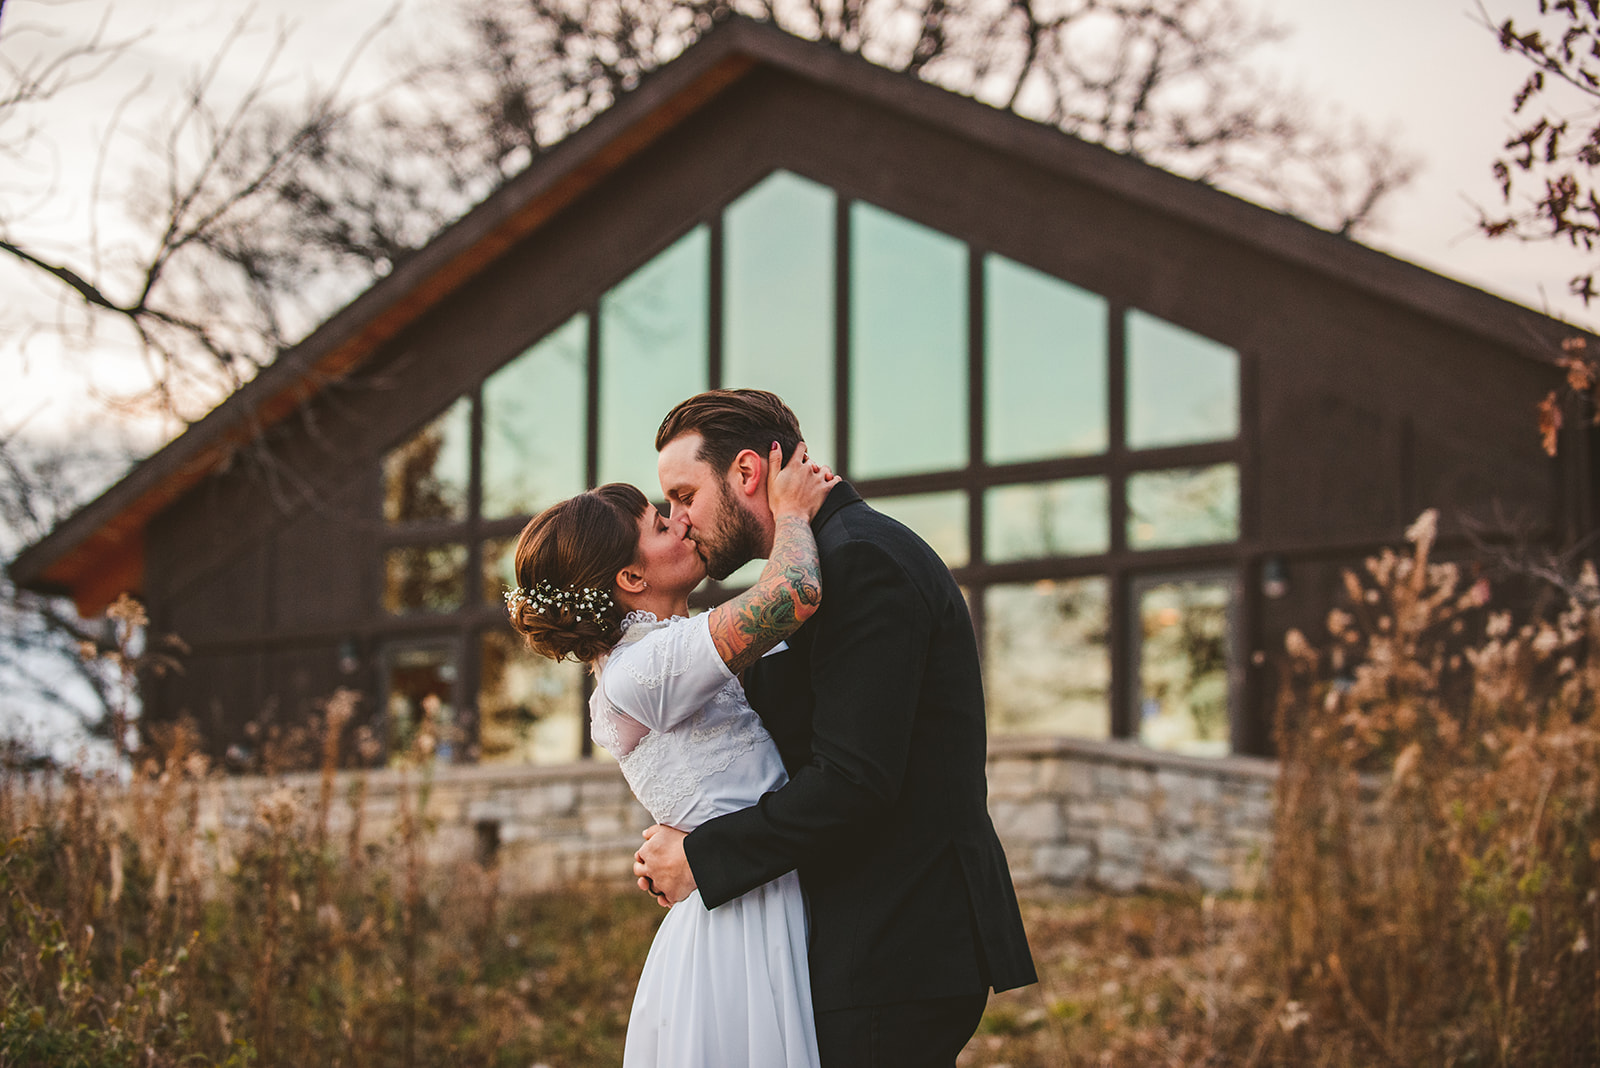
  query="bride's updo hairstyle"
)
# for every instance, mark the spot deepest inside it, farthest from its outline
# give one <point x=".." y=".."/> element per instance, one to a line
<point x="565" y="604"/>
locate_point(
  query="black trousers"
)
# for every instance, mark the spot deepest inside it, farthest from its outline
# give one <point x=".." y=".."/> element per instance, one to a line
<point x="908" y="1034"/>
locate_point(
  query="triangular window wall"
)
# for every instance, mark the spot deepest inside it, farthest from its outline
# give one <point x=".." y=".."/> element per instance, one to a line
<point x="1076" y="463"/>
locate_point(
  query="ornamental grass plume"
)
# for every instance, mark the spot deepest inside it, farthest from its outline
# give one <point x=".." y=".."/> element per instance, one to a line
<point x="1436" y="873"/>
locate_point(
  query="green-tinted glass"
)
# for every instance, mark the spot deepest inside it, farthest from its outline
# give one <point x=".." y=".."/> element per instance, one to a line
<point x="1182" y="388"/>
<point x="1183" y="666"/>
<point x="533" y="424"/>
<point x="1066" y="518"/>
<point x="530" y="710"/>
<point x="424" y="578"/>
<point x="939" y="518"/>
<point x="1044" y="366"/>
<point x="652" y="355"/>
<point x="1047" y="665"/>
<point x="1193" y="506"/>
<point x="908" y="346"/>
<point x="426" y="478"/>
<point x="778" y="299"/>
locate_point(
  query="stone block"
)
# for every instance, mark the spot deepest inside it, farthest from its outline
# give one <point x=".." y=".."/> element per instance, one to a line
<point x="1063" y="863"/>
<point x="1013" y="777"/>
<point x="1028" y="821"/>
<point x="1133" y="813"/>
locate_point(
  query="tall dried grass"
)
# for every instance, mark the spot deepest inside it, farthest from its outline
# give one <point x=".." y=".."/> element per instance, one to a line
<point x="1436" y="874"/>
<point x="136" y="932"/>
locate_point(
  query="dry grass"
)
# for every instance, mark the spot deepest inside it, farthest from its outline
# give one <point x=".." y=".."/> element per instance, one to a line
<point x="1434" y="895"/>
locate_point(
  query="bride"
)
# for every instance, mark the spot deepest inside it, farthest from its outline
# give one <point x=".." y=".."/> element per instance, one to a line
<point x="603" y="578"/>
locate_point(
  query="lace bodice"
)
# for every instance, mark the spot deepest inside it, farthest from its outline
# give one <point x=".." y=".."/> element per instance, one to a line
<point x="678" y="723"/>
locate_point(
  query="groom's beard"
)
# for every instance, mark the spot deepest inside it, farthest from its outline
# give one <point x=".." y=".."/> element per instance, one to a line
<point x="735" y="541"/>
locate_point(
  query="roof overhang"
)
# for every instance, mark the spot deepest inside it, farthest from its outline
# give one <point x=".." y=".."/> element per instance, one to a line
<point x="98" y="552"/>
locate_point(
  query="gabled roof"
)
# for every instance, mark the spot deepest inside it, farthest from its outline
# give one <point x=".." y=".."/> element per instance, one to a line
<point x="99" y="550"/>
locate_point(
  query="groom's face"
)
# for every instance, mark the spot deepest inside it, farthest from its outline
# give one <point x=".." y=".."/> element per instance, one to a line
<point x="726" y="531"/>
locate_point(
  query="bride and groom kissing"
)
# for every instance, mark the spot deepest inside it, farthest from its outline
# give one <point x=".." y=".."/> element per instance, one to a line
<point x="813" y="752"/>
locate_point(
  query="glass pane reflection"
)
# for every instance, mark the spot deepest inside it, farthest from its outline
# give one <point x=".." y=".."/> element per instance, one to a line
<point x="652" y="355"/>
<point x="1183" y="666"/>
<point x="778" y="306"/>
<point x="1196" y="506"/>
<point x="1182" y="388"/>
<point x="1047" y="666"/>
<point x="530" y="710"/>
<point x="1067" y="518"/>
<point x="908" y="346"/>
<point x="499" y="569"/>
<point x="424" y="578"/>
<point x="420" y="683"/>
<point x="940" y="519"/>
<point x="1045" y="366"/>
<point x="533" y="424"/>
<point x="426" y="478"/>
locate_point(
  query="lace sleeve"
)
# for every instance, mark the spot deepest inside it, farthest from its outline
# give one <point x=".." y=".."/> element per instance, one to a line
<point x="666" y="676"/>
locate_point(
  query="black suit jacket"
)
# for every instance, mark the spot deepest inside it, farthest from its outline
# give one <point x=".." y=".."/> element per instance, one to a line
<point x="877" y="708"/>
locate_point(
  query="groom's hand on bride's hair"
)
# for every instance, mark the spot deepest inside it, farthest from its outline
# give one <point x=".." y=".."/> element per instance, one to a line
<point x="661" y="866"/>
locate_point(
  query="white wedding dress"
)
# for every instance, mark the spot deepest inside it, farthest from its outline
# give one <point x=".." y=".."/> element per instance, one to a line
<point x="727" y="987"/>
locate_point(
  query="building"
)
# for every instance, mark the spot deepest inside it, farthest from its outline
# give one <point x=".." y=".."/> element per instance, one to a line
<point x="1145" y="422"/>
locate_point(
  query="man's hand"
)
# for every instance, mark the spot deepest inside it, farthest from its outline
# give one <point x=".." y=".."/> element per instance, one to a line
<point x="662" y="868"/>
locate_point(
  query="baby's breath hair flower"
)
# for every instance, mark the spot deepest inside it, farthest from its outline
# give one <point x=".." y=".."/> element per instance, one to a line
<point x="544" y="598"/>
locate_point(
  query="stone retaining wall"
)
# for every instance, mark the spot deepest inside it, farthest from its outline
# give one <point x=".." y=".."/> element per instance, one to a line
<point x="1110" y="815"/>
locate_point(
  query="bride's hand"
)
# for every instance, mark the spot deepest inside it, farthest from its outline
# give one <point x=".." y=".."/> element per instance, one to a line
<point x="798" y="487"/>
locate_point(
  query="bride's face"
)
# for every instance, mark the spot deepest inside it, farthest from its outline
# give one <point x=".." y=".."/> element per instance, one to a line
<point x="667" y="556"/>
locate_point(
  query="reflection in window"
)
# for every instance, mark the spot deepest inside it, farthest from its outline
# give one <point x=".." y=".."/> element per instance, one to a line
<point x="1047" y="668"/>
<point x="1195" y="506"/>
<point x="533" y="424"/>
<point x="420" y="683"/>
<point x="1182" y="388"/>
<point x="1036" y="519"/>
<point x="499" y="569"/>
<point x="1045" y="366"/>
<point x="426" y="478"/>
<point x="1183" y="666"/>
<point x="652" y="355"/>
<point x="424" y="578"/>
<point x="908" y="346"/>
<point x="940" y="519"/>
<point x="778" y="306"/>
<point x="530" y="709"/>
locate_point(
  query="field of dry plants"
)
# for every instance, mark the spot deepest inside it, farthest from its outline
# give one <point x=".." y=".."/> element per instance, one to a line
<point x="1433" y="899"/>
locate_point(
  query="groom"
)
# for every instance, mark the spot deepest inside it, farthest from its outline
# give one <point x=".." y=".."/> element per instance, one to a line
<point x="877" y="708"/>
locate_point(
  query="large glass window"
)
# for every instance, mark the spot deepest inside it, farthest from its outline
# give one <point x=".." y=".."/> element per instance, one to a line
<point x="530" y="710"/>
<point x="1184" y="651"/>
<point x="1093" y="516"/>
<point x="778" y="310"/>
<point x="533" y="424"/>
<point x="426" y="477"/>
<point x="908" y="346"/>
<point x="652" y="355"/>
<point x="1037" y="519"/>
<point x="1047" y="662"/>
<point x="1182" y="387"/>
<point x="1045" y="363"/>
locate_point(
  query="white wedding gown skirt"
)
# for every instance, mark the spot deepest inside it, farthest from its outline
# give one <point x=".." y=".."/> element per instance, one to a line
<point x="727" y="988"/>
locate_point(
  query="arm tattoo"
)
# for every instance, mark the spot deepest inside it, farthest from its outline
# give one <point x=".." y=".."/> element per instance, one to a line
<point x="787" y="593"/>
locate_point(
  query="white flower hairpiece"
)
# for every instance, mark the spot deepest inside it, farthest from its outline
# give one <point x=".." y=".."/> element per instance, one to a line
<point x="544" y="597"/>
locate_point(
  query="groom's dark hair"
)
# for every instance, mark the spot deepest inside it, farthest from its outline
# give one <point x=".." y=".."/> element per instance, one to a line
<point x="730" y="421"/>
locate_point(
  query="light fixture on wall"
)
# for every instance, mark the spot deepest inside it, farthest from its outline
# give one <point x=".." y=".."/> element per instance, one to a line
<point x="1274" y="577"/>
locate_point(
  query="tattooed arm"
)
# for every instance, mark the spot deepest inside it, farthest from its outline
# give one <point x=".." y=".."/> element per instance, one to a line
<point x="790" y="587"/>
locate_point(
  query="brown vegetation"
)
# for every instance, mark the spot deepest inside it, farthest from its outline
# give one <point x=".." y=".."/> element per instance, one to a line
<point x="1434" y="894"/>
